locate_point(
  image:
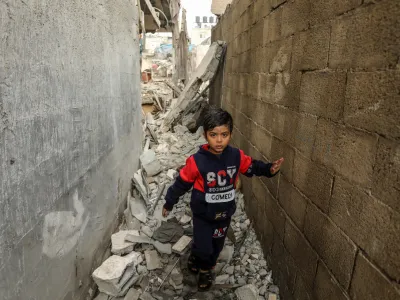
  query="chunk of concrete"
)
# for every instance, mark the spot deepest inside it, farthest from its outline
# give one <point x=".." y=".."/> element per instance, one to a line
<point x="102" y="296"/>
<point x="150" y="163"/>
<point x="133" y="294"/>
<point x="222" y="279"/>
<point x="152" y="260"/>
<point x="119" y="245"/>
<point x="147" y="231"/>
<point x="138" y="239"/>
<point x="226" y="254"/>
<point x="163" y="248"/>
<point x="172" y="174"/>
<point x="115" y="273"/>
<point x="247" y="292"/>
<point x="185" y="220"/>
<point x="272" y="296"/>
<point x="140" y="185"/>
<point x="138" y="209"/>
<point x="181" y="245"/>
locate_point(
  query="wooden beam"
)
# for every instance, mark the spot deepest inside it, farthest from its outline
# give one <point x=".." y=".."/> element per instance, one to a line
<point x="153" y="13"/>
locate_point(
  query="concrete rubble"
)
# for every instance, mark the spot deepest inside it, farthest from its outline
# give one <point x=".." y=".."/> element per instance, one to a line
<point x="150" y="252"/>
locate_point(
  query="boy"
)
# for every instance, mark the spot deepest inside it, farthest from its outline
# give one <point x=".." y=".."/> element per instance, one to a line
<point x="213" y="173"/>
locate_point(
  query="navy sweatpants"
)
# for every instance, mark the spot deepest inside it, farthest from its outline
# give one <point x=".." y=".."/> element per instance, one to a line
<point x="208" y="241"/>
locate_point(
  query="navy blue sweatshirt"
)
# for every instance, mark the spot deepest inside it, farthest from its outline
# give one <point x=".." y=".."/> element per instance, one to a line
<point x="213" y="178"/>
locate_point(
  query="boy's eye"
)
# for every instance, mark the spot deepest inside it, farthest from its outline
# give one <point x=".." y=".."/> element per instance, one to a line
<point x="225" y="135"/>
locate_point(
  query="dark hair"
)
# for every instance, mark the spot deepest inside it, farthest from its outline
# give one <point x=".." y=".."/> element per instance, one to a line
<point x="215" y="117"/>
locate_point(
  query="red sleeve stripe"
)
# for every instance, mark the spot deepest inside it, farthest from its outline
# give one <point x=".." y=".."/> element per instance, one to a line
<point x="245" y="162"/>
<point x="190" y="172"/>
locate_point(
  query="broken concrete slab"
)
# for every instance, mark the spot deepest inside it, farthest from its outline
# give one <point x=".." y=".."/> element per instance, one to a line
<point x="168" y="232"/>
<point x="118" y="244"/>
<point x="113" y="275"/>
<point x="131" y="222"/>
<point x="185" y="220"/>
<point x="133" y="294"/>
<point x="152" y="260"/>
<point x="222" y="279"/>
<point x="247" y="292"/>
<point x="140" y="185"/>
<point x="226" y="254"/>
<point x="102" y="296"/>
<point x="146" y="296"/>
<point x="205" y="72"/>
<point x="172" y="174"/>
<point x="150" y="163"/>
<point x="181" y="245"/>
<point x="138" y="209"/>
<point x="163" y="248"/>
<point x="147" y="231"/>
<point x="138" y="239"/>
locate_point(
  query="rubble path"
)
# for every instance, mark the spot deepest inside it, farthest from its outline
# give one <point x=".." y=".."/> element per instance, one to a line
<point x="147" y="262"/>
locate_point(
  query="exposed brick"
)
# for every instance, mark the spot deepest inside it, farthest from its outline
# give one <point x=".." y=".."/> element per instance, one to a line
<point x="304" y="255"/>
<point x="281" y="149"/>
<point x="324" y="11"/>
<point x="335" y="249"/>
<point x="373" y="102"/>
<point x="272" y="26"/>
<point x="295" y="16"/>
<point x="386" y="176"/>
<point x="310" y="49"/>
<point x="292" y="202"/>
<point x="313" y="181"/>
<point x="322" y="94"/>
<point x="370" y="284"/>
<point x="367" y="38"/>
<point x="349" y="152"/>
<point x="275" y="215"/>
<point x="372" y="225"/>
<point x="326" y="287"/>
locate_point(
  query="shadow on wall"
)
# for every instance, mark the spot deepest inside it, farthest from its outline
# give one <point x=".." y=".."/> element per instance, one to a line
<point x="62" y="229"/>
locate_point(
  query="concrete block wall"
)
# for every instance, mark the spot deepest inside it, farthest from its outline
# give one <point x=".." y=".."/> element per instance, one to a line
<point x="317" y="82"/>
<point x="70" y="138"/>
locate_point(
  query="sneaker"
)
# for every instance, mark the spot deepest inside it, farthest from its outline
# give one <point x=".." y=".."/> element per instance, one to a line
<point x="205" y="280"/>
<point x="192" y="265"/>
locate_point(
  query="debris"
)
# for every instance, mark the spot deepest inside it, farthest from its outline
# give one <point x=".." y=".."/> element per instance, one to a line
<point x="102" y="296"/>
<point x="247" y="292"/>
<point x="272" y="296"/>
<point x="222" y="279"/>
<point x="119" y="245"/>
<point x="150" y="163"/>
<point x="172" y="174"/>
<point x="163" y="248"/>
<point x="229" y="270"/>
<point x="138" y="239"/>
<point x="205" y="71"/>
<point x="152" y="260"/>
<point x="181" y="245"/>
<point x="166" y="276"/>
<point x="146" y="296"/>
<point x="168" y="232"/>
<point x="140" y="185"/>
<point x="185" y="219"/>
<point x="176" y="89"/>
<point x="159" y="194"/>
<point x="147" y="231"/>
<point x="226" y="254"/>
<point x="132" y="294"/>
<point x="138" y="209"/>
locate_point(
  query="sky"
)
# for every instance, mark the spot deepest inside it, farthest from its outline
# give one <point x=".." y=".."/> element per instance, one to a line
<point x="196" y="8"/>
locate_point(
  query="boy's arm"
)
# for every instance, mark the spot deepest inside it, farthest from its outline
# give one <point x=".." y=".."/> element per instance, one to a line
<point x="183" y="183"/>
<point x="250" y="167"/>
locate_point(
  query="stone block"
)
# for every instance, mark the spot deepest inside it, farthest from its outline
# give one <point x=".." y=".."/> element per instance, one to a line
<point x="150" y="163"/>
<point x="303" y="254"/>
<point x="335" y="248"/>
<point x="302" y="290"/>
<point x="272" y="26"/>
<point x="373" y="102"/>
<point x="322" y="12"/>
<point x="281" y="149"/>
<point x="275" y="215"/>
<point x="326" y="287"/>
<point x="369" y="223"/>
<point x="322" y="93"/>
<point x="348" y="152"/>
<point x="280" y="54"/>
<point x="261" y="139"/>
<point x="284" y="267"/>
<point x="295" y="16"/>
<point x="386" y="183"/>
<point x="313" y="181"/>
<point x="266" y="87"/>
<point x="152" y="260"/>
<point x="292" y="201"/>
<point x="287" y="89"/>
<point x="118" y="244"/>
<point x="369" y="283"/>
<point x="366" y="38"/>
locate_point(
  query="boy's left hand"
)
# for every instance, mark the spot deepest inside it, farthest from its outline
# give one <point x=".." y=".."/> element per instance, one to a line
<point x="276" y="165"/>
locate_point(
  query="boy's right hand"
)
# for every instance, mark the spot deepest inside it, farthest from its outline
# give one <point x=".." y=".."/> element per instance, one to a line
<point x="165" y="213"/>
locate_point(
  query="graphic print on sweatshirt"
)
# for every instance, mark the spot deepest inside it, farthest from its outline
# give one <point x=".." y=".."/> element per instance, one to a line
<point x="220" y="185"/>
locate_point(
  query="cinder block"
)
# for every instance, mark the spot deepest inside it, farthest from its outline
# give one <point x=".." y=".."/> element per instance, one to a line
<point x="266" y="87"/>
<point x="287" y="89"/>
<point x="280" y="54"/>
<point x="369" y="223"/>
<point x="261" y="113"/>
<point x="335" y="249"/>
<point x="267" y="233"/>
<point x="256" y="35"/>
<point x="272" y="26"/>
<point x="275" y="215"/>
<point x="304" y="255"/>
<point x="386" y="183"/>
<point x="302" y="290"/>
<point x="373" y="102"/>
<point x="284" y="269"/>
<point x="313" y="181"/>
<point x="367" y="38"/>
<point x="311" y="48"/>
<point x="326" y="286"/>
<point x="322" y="93"/>
<point x="261" y="139"/>
<point x="369" y="283"/>
<point x="294" y="203"/>
<point x="252" y="88"/>
<point x="349" y="152"/>
<point x="295" y="16"/>
<point x="281" y="149"/>
<point x="322" y="12"/>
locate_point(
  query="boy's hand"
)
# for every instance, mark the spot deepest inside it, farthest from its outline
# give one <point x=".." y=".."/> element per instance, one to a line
<point x="276" y="165"/>
<point x="165" y="213"/>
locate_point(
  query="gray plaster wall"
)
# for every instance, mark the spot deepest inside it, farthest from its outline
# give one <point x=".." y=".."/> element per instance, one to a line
<point x="70" y="138"/>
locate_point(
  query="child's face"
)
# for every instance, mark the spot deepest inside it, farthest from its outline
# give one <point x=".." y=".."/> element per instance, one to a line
<point x="218" y="138"/>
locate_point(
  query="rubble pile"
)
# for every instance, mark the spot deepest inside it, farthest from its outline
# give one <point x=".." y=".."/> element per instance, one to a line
<point x="150" y="252"/>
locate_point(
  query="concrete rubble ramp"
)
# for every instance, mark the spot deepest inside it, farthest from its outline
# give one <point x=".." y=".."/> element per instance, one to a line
<point x="204" y="72"/>
<point x="247" y="292"/>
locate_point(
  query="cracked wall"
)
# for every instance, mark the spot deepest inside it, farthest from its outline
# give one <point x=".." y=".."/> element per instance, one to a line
<point x="70" y="138"/>
<point x="318" y="83"/>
